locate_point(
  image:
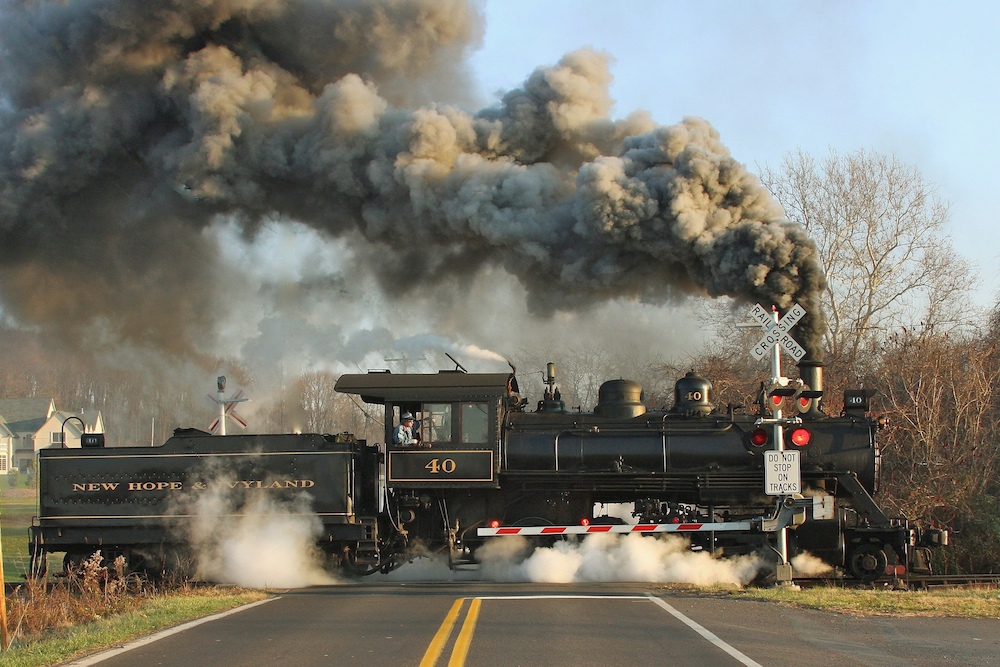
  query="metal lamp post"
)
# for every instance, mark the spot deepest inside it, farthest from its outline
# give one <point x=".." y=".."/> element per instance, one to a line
<point x="62" y="434"/>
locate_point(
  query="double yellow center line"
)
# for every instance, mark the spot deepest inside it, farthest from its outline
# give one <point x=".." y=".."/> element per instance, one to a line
<point x="461" y="648"/>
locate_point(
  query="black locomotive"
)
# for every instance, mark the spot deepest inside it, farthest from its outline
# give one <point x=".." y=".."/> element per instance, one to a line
<point x="485" y="465"/>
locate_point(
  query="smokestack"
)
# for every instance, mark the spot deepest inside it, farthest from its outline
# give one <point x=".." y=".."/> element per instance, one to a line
<point x="811" y="373"/>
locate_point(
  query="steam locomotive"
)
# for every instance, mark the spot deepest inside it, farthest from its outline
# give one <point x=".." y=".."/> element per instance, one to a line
<point x="486" y="466"/>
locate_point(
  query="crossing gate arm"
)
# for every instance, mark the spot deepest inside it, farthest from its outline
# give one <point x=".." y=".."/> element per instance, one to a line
<point x="788" y="511"/>
<point x="618" y="528"/>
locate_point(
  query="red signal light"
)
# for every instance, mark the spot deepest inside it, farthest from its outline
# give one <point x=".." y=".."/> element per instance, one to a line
<point x="800" y="437"/>
<point x="494" y="524"/>
<point x="776" y="400"/>
<point x="584" y="521"/>
<point x="759" y="437"/>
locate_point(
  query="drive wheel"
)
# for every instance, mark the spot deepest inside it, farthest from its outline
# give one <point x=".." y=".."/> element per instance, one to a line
<point x="868" y="562"/>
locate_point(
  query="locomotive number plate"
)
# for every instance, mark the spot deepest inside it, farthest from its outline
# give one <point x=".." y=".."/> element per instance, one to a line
<point x="441" y="465"/>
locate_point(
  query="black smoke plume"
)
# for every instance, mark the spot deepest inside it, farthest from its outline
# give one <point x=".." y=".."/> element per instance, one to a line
<point x="128" y="127"/>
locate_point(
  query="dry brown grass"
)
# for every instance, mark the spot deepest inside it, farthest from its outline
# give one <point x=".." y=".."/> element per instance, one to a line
<point x="90" y="592"/>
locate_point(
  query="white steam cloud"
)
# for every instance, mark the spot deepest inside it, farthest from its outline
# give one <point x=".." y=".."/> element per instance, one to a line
<point x="597" y="558"/>
<point x="266" y="544"/>
<point x="807" y="565"/>
<point x="665" y="559"/>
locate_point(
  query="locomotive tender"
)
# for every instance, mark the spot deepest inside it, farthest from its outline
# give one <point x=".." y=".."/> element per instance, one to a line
<point x="487" y="466"/>
<point x="146" y="502"/>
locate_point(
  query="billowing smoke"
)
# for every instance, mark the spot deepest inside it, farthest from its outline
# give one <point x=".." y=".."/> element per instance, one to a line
<point x="134" y="133"/>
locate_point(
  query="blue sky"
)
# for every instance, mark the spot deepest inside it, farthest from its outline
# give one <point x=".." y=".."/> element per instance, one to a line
<point x="920" y="80"/>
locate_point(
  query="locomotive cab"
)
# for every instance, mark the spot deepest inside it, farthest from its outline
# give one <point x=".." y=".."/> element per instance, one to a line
<point x="457" y="421"/>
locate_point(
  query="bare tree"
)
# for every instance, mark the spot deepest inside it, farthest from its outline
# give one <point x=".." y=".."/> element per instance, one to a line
<point x="880" y="231"/>
<point x="941" y="452"/>
<point x="318" y="400"/>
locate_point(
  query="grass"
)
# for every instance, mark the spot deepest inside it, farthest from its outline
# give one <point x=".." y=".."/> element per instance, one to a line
<point x="979" y="602"/>
<point x="156" y="613"/>
<point x="95" y="609"/>
<point x="15" y="517"/>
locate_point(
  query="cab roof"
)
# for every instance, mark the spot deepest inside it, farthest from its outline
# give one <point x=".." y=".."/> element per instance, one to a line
<point x="383" y="386"/>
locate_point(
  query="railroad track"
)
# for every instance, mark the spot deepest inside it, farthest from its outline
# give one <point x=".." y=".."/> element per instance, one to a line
<point x="909" y="582"/>
<point x="951" y="580"/>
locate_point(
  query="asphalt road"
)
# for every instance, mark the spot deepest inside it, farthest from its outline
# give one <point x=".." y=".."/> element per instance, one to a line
<point x="478" y="624"/>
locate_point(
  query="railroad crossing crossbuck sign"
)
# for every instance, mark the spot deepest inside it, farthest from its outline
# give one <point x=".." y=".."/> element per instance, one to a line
<point x="776" y="333"/>
<point x="226" y="406"/>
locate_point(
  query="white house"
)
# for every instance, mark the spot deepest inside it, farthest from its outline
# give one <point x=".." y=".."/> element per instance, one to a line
<point x="6" y="449"/>
<point x="30" y="424"/>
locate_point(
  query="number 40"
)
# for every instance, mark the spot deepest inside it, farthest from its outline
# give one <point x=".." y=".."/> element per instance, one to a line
<point x="441" y="465"/>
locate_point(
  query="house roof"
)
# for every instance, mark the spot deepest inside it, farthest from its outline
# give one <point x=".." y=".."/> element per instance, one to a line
<point x="89" y="417"/>
<point x="93" y="418"/>
<point x="25" y="415"/>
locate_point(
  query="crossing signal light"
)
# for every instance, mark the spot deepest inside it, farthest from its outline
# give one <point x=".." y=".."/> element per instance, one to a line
<point x="777" y="393"/>
<point x="800" y="437"/>
<point x="806" y="399"/>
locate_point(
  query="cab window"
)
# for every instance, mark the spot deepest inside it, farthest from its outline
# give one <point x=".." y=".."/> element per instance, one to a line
<point x="435" y="425"/>
<point x="475" y="423"/>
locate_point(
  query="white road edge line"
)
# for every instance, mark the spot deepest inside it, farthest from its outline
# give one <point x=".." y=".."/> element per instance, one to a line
<point x="111" y="653"/>
<point x="701" y="630"/>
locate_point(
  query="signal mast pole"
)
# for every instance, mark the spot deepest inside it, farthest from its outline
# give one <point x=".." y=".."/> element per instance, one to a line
<point x="221" y="384"/>
<point x="776" y="338"/>
<point x="779" y="439"/>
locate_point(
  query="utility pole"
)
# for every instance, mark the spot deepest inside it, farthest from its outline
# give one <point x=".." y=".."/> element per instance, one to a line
<point x="4" y="638"/>
<point x="405" y="360"/>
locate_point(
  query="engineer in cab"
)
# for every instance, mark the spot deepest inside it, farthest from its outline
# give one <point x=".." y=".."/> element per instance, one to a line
<point x="405" y="435"/>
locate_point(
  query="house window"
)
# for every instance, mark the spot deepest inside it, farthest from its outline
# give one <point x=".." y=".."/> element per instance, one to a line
<point x="3" y="463"/>
<point x="56" y="438"/>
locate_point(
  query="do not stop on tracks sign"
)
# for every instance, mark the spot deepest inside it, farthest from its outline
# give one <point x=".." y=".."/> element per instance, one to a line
<point x="782" y="474"/>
